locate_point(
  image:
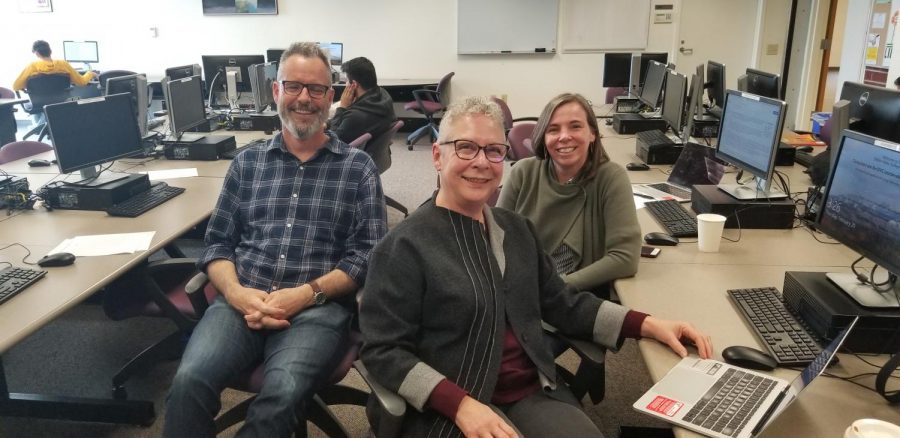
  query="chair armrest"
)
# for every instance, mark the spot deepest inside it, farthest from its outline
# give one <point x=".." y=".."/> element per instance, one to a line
<point x="591" y="353"/>
<point x="391" y="407"/>
<point x="166" y="265"/>
<point x="194" y="290"/>
<point x="424" y="94"/>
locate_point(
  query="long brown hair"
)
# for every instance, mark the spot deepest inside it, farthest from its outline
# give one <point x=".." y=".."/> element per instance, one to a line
<point x="596" y="154"/>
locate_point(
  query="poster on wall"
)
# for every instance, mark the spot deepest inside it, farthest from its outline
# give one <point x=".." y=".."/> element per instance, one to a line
<point x="35" y="6"/>
<point x="872" y="44"/>
<point x="240" y="7"/>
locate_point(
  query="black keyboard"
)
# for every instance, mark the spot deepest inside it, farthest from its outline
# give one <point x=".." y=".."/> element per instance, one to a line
<point x="672" y="190"/>
<point x="803" y="158"/>
<point x="728" y="405"/>
<point x="654" y="137"/>
<point x="786" y="337"/>
<point x="14" y="280"/>
<point x="673" y="217"/>
<point x="233" y="153"/>
<point x="141" y="202"/>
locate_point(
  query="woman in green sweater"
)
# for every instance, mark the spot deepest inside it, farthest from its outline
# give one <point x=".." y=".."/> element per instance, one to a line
<point x="579" y="201"/>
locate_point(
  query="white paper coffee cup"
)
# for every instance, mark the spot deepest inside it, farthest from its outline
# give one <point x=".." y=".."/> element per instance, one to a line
<point x="709" y="231"/>
<point x="872" y="428"/>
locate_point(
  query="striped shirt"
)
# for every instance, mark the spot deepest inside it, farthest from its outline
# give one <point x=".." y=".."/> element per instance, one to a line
<point x="284" y="222"/>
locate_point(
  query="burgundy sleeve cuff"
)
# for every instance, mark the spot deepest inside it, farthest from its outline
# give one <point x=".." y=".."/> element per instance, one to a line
<point x="631" y="327"/>
<point x="445" y="398"/>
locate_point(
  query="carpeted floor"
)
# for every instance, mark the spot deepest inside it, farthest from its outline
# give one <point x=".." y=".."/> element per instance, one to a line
<point x="77" y="354"/>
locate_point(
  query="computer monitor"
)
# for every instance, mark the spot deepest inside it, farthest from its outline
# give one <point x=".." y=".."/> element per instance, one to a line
<point x="184" y="100"/>
<point x="261" y="78"/>
<point x="274" y="55"/>
<point x="874" y="111"/>
<point x="861" y="209"/>
<point x="93" y="131"/>
<point x="715" y="75"/>
<point x="183" y="71"/>
<point x="662" y="58"/>
<point x="335" y="52"/>
<point x="136" y="87"/>
<point x="650" y="92"/>
<point x="673" y="102"/>
<point x="220" y="65"/>
<point x="764" y="84"/>
<point x="81" y="51"/>
<point x="616" y="70"/>
<point x="749" y="135"/>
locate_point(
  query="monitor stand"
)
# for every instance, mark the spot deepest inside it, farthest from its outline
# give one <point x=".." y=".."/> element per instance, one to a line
<point x="90" y="177"/>
<point x="185" y="137"/>
<point x="749" y="192"/>
<point x="865" y="294"/>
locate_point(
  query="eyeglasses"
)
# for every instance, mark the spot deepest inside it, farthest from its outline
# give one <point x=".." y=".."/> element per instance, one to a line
<point x="468" y="150"/>
<point x="294" y="88"/>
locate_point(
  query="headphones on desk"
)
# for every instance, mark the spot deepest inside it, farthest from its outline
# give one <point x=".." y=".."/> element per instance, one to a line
<point x="884" y="375"/>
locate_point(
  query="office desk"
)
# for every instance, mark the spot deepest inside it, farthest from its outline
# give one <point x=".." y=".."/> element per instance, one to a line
<point x="696" y="293"/>
<point x="7" y="120"/>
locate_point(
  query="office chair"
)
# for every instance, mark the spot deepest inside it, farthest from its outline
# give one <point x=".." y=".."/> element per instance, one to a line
<point x="516" y="132"/>
<point x="21" y="149"/>
<point x="109" y="74"/>
<point x="360" y="142"/>
<point x="386" y="409"/>
<point x="44" y="90"/>
<point x="380" y="151"/>
<point x="6" y="93"/>
<point x="428" y="102"/>
<point x="613" y="92"/>
<point x="317" y="412"/>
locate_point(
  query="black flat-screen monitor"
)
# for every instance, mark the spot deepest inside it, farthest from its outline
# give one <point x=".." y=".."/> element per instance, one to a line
<point x="274" y="55"/>
<point x="653" y="86"/>
<point x="616" y="70"/>
<point x="183" y="71"/>
<point x="335" y="52"/>
<point x="136" y="87"/>
<point x="673" y="102"/>
<point x="81" y="51"/>
<point x="861" y="209"/>
<point x="93" y="131"/>
<point x="763" y="83"/>
<point x="873" y="110"/>
<point x="184" y="100"/>
<point x="715" y="76"/>
<point x="749" y="136"/>
<point x="261" y="78"/>
<point x="662" y="58"/>
<point x="221" y="64"/>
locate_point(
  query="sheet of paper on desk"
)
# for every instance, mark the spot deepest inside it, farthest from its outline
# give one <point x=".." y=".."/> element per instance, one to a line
<point x="640" y="200"/>
<point x="171" y="173"/>
<point x="105" y="244"/>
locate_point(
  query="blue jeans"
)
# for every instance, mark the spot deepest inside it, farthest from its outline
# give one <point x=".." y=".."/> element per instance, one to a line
<point x="297" y="362"/>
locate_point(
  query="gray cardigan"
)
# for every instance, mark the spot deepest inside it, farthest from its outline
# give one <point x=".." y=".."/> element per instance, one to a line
<point x="439" y="294"/>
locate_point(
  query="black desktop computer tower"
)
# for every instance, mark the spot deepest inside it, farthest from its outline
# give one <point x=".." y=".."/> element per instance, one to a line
<point x="208" y="148"/>
<point x="267" y="122"/>
<point x="755" y="214"/>
<point x="627" y="104"/>
<point x="705" y="127"/>
<point x="626" y="123"/>
<point x="826" y="310"/>
<point x="77" y="197"/>
<point x="657" y="153"/>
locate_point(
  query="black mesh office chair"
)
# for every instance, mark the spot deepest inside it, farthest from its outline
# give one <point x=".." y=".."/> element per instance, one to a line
<point x="44" y="90"/>
<point x="109" y="74"/>
<point x="379" y="149"/>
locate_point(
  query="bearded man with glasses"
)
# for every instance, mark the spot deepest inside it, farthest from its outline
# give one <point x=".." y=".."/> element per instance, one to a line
<point x="287" y="247"/>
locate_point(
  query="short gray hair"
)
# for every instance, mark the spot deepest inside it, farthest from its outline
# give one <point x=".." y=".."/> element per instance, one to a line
<point x="467" y="107"/>
<point x="306" y="50"/>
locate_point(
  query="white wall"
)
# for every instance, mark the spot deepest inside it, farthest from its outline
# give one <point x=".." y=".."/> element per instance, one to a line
<point x="854" y="46"/>
<point x="404" y="38"/>
<point x="776" y="18"/>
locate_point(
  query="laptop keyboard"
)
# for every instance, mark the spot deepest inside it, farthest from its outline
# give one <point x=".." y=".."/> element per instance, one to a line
<point x="729" y="404"/>
<point x="144" y="201"/>
<point x="673" y="217"/>
<point x="785" y="336"/>
<point x="672" y="190"/>
<point x="654" y="137"/>
<point x="14" y="280"/>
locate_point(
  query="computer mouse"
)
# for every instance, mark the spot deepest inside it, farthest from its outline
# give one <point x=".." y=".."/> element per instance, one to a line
<point x="747" y="357"/>
<point x="38" y="163"/>
<point x="662" y="239"/>
<point x="637" y="166"/>
<point x="806" y="149"/>
<point x="58" y="259"/>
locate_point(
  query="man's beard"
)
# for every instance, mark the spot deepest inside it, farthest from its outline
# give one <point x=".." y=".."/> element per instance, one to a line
<point x="302" y="132"/>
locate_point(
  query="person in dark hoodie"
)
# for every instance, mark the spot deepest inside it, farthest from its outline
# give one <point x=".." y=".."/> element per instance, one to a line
<point x="364" y="106"/>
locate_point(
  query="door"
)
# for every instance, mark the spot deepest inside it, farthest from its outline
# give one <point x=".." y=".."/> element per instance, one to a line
<point x="718" y="30"/>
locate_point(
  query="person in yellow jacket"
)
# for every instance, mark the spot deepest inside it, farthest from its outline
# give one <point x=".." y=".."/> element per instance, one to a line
<point x="45" y="65"/>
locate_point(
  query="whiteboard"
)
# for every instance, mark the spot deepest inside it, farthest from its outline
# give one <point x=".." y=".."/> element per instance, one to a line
<point x="506" y="26"/>
<point x="602" y="25"/>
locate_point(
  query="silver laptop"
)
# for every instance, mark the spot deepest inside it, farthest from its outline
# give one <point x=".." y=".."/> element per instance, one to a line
<point x="721" y="400"/>
<point x="697" y="164"/>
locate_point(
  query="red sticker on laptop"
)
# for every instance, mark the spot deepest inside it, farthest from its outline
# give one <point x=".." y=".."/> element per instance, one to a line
<point x="665" y="406"/>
